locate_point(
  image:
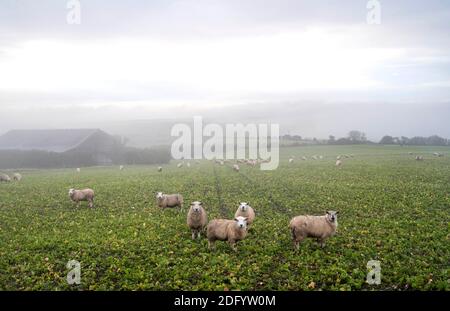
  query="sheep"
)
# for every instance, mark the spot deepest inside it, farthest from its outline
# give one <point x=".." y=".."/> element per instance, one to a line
<point x="17" y="176"/>
<point x="236" y="167"/>
<point x="121" y="167"/>
<point x="318" y="227"/>
<point x="338" y="157"/>
<point x="221" y="162"/>
<point x="169" y="200"/>
<point x="320" y="157"/>
<point x="291" y="160"/>
<point x="314" y="157"/>
<point x="437" y="154"/>
<point x="179" y="165"/>
<point x="419" y="158"/>
<point x="159" y="169"/>
<point x="78" y="169"/>
<point x="82" y="195"/>
<point x="304" y="158"/>
<point x="246" y="211"/>
<point x="188" y="164"/>
<point x="338" y="163"/>
<point x="197" y="219"/>
<point x="226" y="230"/>
<point x="4" y="178"/>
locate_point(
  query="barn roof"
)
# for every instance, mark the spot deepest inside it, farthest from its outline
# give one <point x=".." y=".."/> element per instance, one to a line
<point x="58" y="140"/>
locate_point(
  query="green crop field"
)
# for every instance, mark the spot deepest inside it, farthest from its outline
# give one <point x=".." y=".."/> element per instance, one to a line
<point x="392" y="209"/>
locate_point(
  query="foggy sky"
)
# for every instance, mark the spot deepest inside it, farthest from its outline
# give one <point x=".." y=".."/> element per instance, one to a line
<point x="316" y="67"/>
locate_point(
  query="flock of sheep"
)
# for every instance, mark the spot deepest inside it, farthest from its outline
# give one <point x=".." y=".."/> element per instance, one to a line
<point x="6" y="178"/>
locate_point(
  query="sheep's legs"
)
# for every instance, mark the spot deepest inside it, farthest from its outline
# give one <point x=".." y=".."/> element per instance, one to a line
<point x="321" y="242"/>
<point x="198" y="234"/>
<point x="211" y="244"/>
<point x="233" y="245"/>
<point x="193" y="234"/>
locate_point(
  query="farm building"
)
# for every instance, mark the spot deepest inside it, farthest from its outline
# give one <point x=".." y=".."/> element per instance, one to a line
<point x="94" y="142"/>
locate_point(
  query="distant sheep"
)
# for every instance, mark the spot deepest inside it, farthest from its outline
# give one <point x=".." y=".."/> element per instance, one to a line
<point x="236" y="167"/>
<point x="320" y="157"/>
<point x="419" y="158"/>
<point x="78" y="169"/>
<point x="121" y="167"/>
<point x="197" y="219"/>
<point x="291" y="160"/>
<point x="318" y="227"/>
<point x="338" y="157"/>
<point x="159" y="169"/>
<point x="304" y="158"/>
<point x="169" y="200"/>
<point x="246" y="211"/>
<point x="4" y="178"/>
<point x="17" y="176"/>
<point x="338" y="163"/>
<point x="82" y="195"/>
<point x="179" y="165"/>
<point x="226" y="230"/>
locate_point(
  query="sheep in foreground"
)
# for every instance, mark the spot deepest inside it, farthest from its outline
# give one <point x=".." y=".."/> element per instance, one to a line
<point x="4" y="178"/>
<point x="17" y="176"/>
<point x="82" y="195"/>
<point x="159" y="169"/>
<point x="226" y="230"/>
<point x="236" y="167"/>
<point x="338" y="163"/>
<point x="246" y="211"/>
<point x="318" y="227"/>
<point x="197" y="219"/>
<point x="169" y="200"/>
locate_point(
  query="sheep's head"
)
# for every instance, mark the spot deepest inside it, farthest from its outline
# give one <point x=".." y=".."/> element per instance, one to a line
<point x="71" y="192"/>
<point x="243" y="206"/>
<point x="241" y="222"/>
<point x="159" y="195"/>
<point x="196" y="206"/>
<point x="332" y="216"/>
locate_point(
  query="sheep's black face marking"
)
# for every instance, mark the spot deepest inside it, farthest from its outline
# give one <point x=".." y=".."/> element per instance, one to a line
<point x="332" y="216"/>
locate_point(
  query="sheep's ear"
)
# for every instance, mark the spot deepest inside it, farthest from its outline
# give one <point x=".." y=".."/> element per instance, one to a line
<point x="200" y="203"/>
<point x="328" y="213"/>
<point x="337" y="212"/>
<point x="236" y="219"/>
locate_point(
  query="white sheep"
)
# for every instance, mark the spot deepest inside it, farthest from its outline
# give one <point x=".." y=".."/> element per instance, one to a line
<point x="169" y="200"/>
<point x="236" y="167"/>
<point x="291" y="160"/>
<point x="338" y="157"/>
<point x="159" y="169"/>
<point x="179" y="165"/>
<point x="320" y="157"/>
<point x="246" y="211"/>
<point x="226" y="230"/>
<point x="318" y="227"/>
<point x="338" y="163"/>
<point x="197" y="219"/>
<point x="121" y="167"/>
<point x="78" y="169"/>
<point x="304" y="158"/>
<point x="82" y="195"/>
<point x="419" y="158"/>
<point x="17" y="176"/>
<point x="4" y="178"/>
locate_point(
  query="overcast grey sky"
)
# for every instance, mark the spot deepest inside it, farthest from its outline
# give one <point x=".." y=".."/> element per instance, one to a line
<point x="316" y="67"/>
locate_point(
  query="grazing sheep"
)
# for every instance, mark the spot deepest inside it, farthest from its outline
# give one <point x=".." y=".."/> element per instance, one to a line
<point x="318" y="227"/>
<point x="121" y="167"/>
<point x="419" y="158"/>
<point x="291" y="160"/>
<point x="179" y="165"/>
<point x="159" y="169"/>
<point x="236" y="167"/>
<point x="197" y="219"/>
<point x="78" y="169"/>
<point x="169" y="200"/>
<point x="338" y="157"/>
<point x="437" y="154"/>
<point x="4" y="178"/>
<point x="226" y="230"/>
<point x="17" y="176"/>
<point x="246" y="211"/>
<point x="82" y="195"/>
<point x="314" y="157"/>
<point x="304" y="158"/>
<point x="338" y="163"/>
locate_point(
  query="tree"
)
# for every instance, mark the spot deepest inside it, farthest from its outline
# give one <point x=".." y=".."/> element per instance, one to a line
<point x="387" y="140"/>
<point x="331" y="139"/>
<point x="357" y="136"/>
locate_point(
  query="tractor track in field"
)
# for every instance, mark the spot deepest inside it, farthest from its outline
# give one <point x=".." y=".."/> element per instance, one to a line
<point x="276" y="206"/>
<point x="222" y="208"/>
